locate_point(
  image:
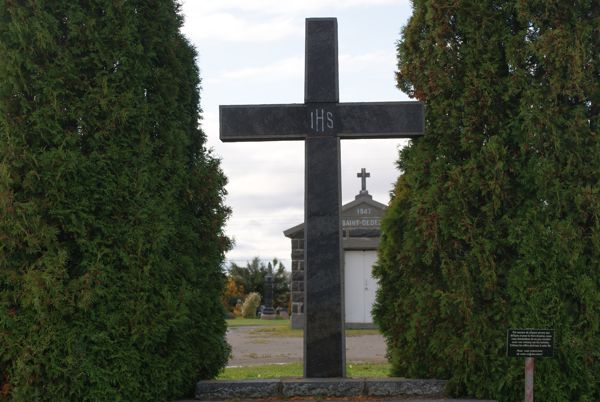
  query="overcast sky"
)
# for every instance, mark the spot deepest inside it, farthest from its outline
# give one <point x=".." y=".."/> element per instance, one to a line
<point x="252" y="52"/>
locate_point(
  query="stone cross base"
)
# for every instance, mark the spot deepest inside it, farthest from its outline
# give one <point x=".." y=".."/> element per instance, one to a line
<point x="214" y="390"/>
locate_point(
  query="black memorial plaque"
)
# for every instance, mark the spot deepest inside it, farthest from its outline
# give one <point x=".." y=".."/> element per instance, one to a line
<point x="530" y="342"/>
<point x="321" y="121"/>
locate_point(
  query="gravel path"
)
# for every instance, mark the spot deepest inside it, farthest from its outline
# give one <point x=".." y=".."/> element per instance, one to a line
<point x="250" y="348"/>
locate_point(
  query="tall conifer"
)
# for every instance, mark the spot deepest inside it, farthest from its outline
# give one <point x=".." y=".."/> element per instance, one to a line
<point x="111" y="209"/>
<point x="495" y="223"/>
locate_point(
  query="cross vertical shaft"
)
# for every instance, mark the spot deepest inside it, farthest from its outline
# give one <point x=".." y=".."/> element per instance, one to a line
<point x="324" y="338"/>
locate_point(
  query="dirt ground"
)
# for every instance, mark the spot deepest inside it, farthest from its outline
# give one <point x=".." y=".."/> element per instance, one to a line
<point x="250" y="348"/>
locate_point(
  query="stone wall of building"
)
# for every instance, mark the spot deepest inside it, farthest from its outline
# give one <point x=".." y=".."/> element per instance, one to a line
<point x="298" y="280"/>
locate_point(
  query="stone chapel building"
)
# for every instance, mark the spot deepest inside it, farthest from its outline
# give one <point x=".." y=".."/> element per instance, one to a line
<point x="361" y="220"/>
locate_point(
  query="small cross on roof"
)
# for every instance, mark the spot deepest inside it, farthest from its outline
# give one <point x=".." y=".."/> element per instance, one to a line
<point x="363" y="176"/>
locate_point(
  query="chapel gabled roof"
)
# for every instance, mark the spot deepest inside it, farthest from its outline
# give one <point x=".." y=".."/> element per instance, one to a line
<point x="361" y="198"/>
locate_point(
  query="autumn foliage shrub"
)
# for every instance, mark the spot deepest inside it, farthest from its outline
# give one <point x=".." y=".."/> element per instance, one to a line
<point x="232" y="294"/>
<point x="495" y="222"/>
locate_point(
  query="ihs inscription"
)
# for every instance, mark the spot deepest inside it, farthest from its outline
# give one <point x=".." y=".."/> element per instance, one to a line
<point x="320" y="119"/>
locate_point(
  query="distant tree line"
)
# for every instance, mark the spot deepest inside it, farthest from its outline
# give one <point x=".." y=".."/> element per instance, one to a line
<point x="243" y="280"/>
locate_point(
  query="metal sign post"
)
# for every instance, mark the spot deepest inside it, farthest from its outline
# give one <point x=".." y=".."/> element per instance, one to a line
<point x="529" y="367"/>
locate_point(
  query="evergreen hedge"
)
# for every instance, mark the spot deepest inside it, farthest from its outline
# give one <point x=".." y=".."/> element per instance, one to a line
<point x="495" y="222"/>
<point x="111" y="208"/>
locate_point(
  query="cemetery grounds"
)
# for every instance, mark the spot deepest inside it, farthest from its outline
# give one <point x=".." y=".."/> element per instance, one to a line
<point x="271" y="349"/>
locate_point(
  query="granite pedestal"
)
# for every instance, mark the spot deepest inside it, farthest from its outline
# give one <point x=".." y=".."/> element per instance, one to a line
<point x="348" y="388"/>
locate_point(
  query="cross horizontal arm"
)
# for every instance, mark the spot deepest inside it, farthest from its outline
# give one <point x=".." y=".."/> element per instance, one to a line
<point x="380" y="120"/>
<point x="262" y="122"/>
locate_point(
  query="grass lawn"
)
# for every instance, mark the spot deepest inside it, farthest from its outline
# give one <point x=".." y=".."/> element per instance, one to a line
<point x="285" y="331"/>
<point x="256" y="322"/>
<point x="282" y="328"/>
<point x="353" y="370"/>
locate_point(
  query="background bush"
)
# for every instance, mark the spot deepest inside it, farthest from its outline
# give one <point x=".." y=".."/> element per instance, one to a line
<point x="250" y="305"/>
<point x="111" y="209"/>
<point x="495" y="223"/>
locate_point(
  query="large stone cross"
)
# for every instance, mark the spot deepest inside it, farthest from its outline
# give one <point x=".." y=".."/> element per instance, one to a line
<point x="321" y="122"/>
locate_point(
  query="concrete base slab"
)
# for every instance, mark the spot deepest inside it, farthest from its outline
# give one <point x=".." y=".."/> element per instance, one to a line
<point x="323" y="387"/>
<point x="223" y="390"/>
<point x="317" y="388"/>
<point x="363" y="399"/>
<point x="395" y="387"/>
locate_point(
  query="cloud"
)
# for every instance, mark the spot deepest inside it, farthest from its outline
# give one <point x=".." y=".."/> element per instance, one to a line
<point x="259" y="232"/>
<point x="252" y="52"/>
<point x="277" y="6"/>
<point x="228" y="27"/>
<point x="366" y="61"/>
<point x="292" y="66"/>
<point x="262" y="21"/>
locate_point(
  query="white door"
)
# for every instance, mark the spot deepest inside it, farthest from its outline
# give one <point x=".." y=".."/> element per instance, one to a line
<point x="359" y="285"/>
